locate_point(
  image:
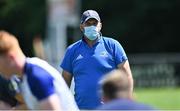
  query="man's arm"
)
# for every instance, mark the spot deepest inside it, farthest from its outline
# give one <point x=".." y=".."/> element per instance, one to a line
<point x="51" y="103"/>
<point x="4" y="106"/>
<point x="126" y="68"/>
<point x="67" y="77"/>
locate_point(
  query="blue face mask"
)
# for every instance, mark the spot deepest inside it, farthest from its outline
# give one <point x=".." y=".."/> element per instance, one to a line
<point x="91" y="32"/>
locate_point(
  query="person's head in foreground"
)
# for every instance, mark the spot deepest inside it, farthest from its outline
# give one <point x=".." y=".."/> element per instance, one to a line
<point x="116" y="93"/>
<point x="115" y="85"/>
<point x="12" y="58"/>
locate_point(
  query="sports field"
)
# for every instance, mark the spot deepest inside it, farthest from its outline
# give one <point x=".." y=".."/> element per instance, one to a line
<point x="161" y="98"/>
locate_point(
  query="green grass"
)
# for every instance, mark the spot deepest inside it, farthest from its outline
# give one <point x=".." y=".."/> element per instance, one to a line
<point x="161" y="98"/>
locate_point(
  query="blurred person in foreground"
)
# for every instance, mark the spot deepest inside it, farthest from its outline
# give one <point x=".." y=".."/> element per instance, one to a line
<point x="116" y="93"/>
<point x="90" y="58"/>
<point x="42" y="87"/>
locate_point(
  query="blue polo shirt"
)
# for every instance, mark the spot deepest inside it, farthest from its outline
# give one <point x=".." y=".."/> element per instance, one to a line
<point x="88" y="64"/>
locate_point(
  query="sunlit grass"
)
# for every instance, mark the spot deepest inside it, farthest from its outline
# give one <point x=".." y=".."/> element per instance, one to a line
<point x="161" y="98"/>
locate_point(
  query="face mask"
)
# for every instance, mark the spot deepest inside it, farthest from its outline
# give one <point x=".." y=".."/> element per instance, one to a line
<point x="91" y="32"/>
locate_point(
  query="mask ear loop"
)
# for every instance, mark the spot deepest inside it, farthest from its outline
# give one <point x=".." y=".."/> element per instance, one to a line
<point x="99" y="30"/>
<point x="99" y="26"/>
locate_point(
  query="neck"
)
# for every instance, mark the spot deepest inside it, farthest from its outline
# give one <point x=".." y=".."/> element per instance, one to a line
<point x="20" y="63"/>
<point x="90" y="42"/>
<point x="125" y="95"/>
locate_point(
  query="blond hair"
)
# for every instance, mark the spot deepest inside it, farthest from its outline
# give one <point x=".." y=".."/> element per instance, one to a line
<point x="115" y="84"/>
<point x="8" y="42"/>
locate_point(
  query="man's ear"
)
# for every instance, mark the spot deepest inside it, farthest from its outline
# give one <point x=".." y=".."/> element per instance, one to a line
<point x="99" y="26"/>
<point x="81" y="27"/>
<point x="10" y="59"/>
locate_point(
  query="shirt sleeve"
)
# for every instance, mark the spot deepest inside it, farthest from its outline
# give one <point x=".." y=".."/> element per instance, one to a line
<point x="41" y="83"/>
<point x="67" y="61"/>
<point x="119" y="53"/>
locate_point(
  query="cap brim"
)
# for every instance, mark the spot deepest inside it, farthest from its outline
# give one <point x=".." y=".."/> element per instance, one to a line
<point x="90" y="18"/>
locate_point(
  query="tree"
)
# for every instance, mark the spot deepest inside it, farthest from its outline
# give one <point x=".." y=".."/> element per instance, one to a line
<point x="140" y="25"/>
<point x="25" y="19"/>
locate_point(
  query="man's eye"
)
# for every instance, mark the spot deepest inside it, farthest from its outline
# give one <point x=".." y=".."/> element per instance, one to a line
<point x="87" y="24"/>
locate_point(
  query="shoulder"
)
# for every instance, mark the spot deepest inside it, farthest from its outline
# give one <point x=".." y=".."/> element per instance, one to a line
<point x="72" y="49"/>
<point x="111" y="43"/>
<point x="110" y="40"/>
<point x="39" y="74"/>
<point x="74" y="45"/>
<point x="39" y="69"/>
<point x="123" y="104"/>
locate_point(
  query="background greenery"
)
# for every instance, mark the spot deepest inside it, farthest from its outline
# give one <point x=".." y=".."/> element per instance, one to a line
<point x="25" y="19"/>
<point x="141" y="26"/>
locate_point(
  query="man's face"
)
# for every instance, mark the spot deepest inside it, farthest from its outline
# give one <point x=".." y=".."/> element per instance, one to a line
<point x="5" y="69"/>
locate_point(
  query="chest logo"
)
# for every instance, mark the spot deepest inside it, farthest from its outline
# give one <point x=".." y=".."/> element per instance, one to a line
<point x="79" y="57"/>
<point x="104" y="54"/>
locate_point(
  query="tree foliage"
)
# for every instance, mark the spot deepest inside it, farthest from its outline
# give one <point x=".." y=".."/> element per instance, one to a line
<point x="25" y="19"/>
<point x="140" y="25"/>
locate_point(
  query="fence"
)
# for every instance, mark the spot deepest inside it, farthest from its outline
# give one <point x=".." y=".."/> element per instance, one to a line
<point x="155" y="70"/>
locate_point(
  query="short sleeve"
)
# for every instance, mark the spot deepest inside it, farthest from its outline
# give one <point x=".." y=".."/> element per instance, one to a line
<point x="67" y="61"/>
<point x="119" y="53"/>
<point x="41" y="83"/>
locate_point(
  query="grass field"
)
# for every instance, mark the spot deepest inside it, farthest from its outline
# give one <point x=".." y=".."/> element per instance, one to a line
<point x="161" y="98"/>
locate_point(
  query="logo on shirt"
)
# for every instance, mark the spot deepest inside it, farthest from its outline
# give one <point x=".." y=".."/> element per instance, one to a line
<point x="104" y="54"/>
<point x="79" y="57"/>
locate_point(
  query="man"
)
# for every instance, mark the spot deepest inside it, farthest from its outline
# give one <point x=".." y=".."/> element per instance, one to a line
<point x="90" y="58"/>
<point x="116" y="93"/>
<point x="42" y="86"/>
